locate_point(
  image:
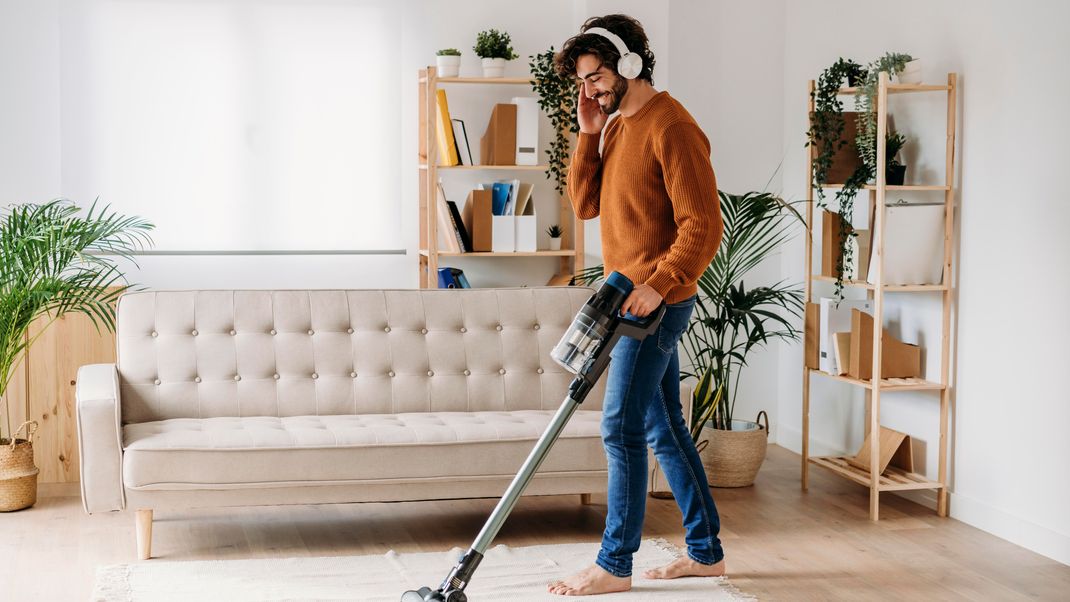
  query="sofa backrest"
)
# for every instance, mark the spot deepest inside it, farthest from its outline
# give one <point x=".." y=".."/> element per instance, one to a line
<point x="198" y="354"/>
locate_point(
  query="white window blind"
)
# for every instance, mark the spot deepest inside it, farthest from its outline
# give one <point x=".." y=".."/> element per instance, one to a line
<point x="262" y="125"/>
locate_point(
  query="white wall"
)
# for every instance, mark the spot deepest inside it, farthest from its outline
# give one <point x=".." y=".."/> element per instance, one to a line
<point x="1010" y="447"/>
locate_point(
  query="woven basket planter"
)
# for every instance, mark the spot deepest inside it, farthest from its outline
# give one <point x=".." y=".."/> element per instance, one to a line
<point x="18" y="475"/>
<point x="732" y="458"/>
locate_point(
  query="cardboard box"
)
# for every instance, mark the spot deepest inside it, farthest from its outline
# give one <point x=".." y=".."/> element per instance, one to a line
<point x="895" y="449"/>
<point x="831" y="242"/>
<point x="498" y="145"/>
<point x="811" y="325"/>
<point x="477" y="216"/>
<point x="898" y="359"/>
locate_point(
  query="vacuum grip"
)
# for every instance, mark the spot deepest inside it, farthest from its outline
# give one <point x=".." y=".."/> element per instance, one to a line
<point x="642" y="327"/>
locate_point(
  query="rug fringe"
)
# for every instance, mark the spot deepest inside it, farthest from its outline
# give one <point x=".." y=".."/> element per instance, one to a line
<point x="113" y="584"/>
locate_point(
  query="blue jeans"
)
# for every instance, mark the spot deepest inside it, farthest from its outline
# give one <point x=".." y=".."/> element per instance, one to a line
<point x="642" y="407"/>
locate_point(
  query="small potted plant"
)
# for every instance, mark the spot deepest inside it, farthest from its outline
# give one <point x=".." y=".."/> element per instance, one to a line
<point x="555" y="237"/>
<point x="448" y="61"/>
<point x="895" y="172"/>
<point x="911" y="73"/>
<point x="494" y="48"/>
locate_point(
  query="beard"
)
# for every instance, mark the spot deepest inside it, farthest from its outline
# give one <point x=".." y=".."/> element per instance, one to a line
<point x="617" y="92"/>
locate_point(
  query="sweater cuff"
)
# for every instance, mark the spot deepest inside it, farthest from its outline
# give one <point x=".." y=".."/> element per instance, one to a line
<point x="661" y="282"/>
<point x="587" y="146"/>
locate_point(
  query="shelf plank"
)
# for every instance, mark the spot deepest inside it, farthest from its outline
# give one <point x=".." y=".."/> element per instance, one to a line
<point x="903" y="187"/>
<point x="890" y="288"/>
<point x="546" y="253"/>
<point x="488" y="167"/>
<point x="902" y="89"/>
<point x="893" y="479"/>
<point x="887" y="384"/>
<point x="485" y="80"/>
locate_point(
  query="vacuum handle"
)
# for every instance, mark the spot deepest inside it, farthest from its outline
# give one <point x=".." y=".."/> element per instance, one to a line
<point x="643" y="327"/>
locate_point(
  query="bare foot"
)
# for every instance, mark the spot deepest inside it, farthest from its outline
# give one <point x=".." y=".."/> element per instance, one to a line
<point x="590" y="581"/>
<point x="685" y="567"/>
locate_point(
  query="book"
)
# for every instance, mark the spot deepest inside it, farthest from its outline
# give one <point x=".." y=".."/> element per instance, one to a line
<point x="460" y="278"/>
<point x="500" y="192"/>
<point x="447" y="232"/>
<point x="447" y="145"/>
<point x="462" y="230"/>
<point x="460" y="134"/>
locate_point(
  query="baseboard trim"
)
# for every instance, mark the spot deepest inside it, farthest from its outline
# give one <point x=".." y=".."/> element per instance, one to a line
<point x="1015" y="529"/>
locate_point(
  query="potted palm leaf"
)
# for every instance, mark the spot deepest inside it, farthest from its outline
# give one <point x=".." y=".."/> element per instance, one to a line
<point x="730" y="321"/>
<point x="53" y="261"/>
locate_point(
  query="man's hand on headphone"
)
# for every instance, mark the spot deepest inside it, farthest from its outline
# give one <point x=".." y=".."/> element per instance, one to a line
<point x="642" y="301"/>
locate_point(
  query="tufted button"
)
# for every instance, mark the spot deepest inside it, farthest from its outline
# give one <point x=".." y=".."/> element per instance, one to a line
<point x="273" y="331"/>
<point x="467" y="372"/>
<point x="539" y="370"/>
<point x="156" y="382"/>
<point x="197" y="379"/>
<point x="463" y="329"/>
<point x="195" y="333"/>
<point x="310" y="331"/>
<point x="352" y="375"/>
<point x="155" y="334"/>
<point x="498" y="327"/>
<point x="349" y="330"/>
<point x="275" y="376"/>
<point x="386" y="329"/>
<point x="423" y="331"/>
<point x="233" y="332"/>
<point x="314" y="375"/>
<point x="430" y="372"/>
<point x="536" y="327"/>
<point x="391" y="373"/>
<point x="236" y="377"/>
<point x="502" y="371"/>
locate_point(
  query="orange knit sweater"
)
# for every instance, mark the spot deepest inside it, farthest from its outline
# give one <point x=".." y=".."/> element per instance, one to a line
<point x="656" y="193"/>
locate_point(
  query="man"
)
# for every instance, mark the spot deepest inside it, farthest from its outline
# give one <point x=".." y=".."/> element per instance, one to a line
<point x="655" y="191"/>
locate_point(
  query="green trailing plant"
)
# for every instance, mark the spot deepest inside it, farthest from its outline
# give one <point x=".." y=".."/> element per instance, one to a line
<point x="448" y="52"/>
<point x="866" y="104"/>
<point x="827" y="125"/>
<point x="494" y="44"/>
<point x="557" y="98"/>
<point x="554" y="231"/>
<point x="55" y="261"/>
<point x="731" y="320"/>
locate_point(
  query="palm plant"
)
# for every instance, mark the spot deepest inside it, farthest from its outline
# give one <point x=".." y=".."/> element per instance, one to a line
<point x="54" y="261"/>
<point x="731" y="320"/>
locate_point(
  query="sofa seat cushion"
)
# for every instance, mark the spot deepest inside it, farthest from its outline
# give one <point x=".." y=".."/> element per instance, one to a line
<point x="264" y="451"/>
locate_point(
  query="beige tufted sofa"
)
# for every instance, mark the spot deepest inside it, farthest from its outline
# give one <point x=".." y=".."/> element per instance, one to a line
<point x="225" y="398"/>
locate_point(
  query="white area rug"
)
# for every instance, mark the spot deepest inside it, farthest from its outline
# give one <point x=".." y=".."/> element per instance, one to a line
<point x="505" y="574"/>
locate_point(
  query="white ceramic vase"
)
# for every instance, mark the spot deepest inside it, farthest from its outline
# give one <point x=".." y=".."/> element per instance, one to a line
<point x="494" y="67"/>
<point x="448" y="65"/>
<point x="555" y="244"/>
<point x="911" y="73"/>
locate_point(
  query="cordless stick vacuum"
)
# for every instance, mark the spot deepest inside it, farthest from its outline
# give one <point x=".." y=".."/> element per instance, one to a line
<point x="583" y="351"/>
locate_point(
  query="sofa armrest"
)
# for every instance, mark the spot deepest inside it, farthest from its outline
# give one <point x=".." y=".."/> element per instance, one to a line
<point x="100" y="444"/>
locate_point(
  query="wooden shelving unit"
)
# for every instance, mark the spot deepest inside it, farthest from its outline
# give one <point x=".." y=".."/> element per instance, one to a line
<point x="570" y="257"/>
<point x="893" y="479"/>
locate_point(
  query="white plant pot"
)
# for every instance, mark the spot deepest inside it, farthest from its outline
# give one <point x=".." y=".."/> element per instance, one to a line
<point x="494" y="67"/>
<point x="448" y="66"/>
<point x="555" y="244"/>
<point x="911" y="73"/>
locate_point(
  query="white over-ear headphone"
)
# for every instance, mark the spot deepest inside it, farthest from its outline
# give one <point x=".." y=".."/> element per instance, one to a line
<point x="630" y="64"/>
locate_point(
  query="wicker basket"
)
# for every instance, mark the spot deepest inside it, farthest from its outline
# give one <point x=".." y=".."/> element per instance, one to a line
<point x="732" y="458"/>
<point x="18" y="475"/>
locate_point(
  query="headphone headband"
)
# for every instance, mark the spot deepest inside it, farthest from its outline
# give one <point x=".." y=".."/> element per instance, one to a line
<point x="630" y="64"/>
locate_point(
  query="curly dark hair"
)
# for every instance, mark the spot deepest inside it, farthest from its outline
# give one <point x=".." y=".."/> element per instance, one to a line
<point x="627" y="28"/>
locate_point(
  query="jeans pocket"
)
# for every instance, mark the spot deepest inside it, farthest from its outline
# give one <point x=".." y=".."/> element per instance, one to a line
<point x="674" y="324"/>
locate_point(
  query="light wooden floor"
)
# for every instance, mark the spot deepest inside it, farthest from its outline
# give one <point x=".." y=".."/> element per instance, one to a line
<point x="780" y="544"/>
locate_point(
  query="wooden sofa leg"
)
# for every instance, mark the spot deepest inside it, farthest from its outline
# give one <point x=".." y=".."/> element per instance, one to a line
<point x="585" y="499"/>
<point x="144" y="534"/>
